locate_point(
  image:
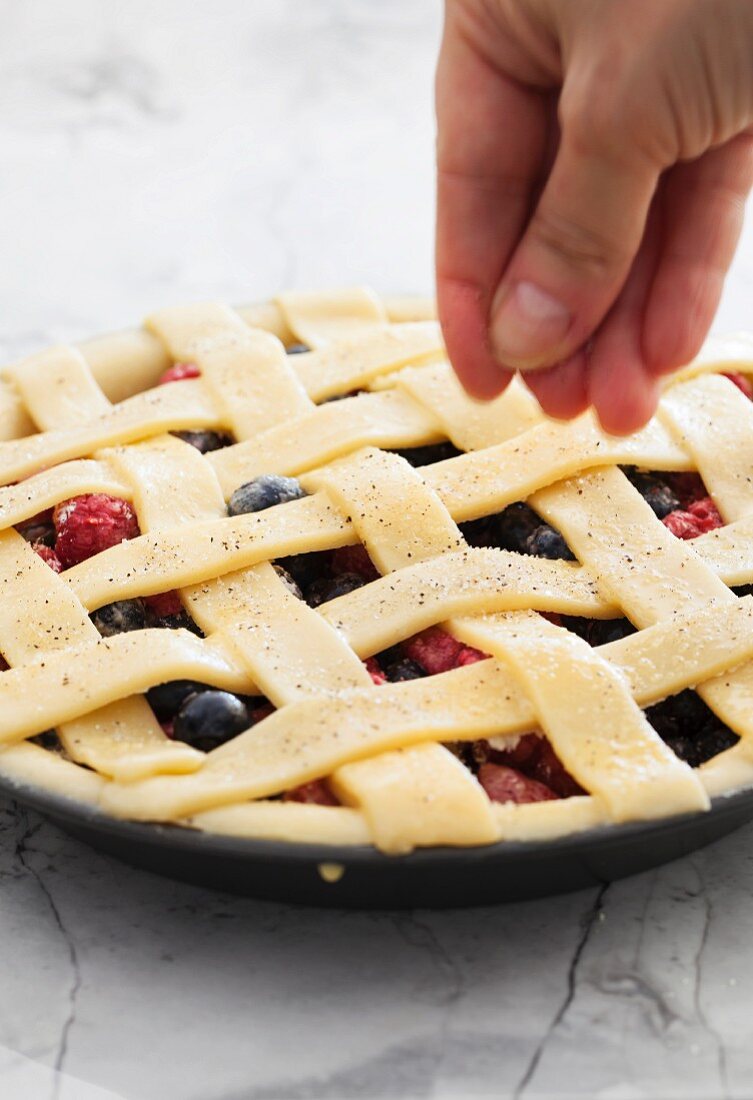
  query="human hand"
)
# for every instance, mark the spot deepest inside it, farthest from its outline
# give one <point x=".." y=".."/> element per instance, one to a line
<point x="593" y="161"/>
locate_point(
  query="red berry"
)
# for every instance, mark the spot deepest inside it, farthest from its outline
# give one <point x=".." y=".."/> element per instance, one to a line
<point x="706" y="513"/>
<point x="507" y="785"/>
<point x="354" y="559"/>
<point x="316" y="792"/>
<point x="164" y="604"/>
<point x="87" y="524"/>
<point x="548" y="769"/>
<point x="437" y="651"/>
<point x="682" y="524"/>
<point x="46" y="553"/>
<point x="374" y="670"/>
<point x="699" y="516"/>
<point x="178" y="372"/>
<point x="742" y="382"/>
<point x="167" y="728"/>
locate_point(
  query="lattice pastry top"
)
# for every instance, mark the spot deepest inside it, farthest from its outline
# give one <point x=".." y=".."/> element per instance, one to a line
<point x="326" y="596"/>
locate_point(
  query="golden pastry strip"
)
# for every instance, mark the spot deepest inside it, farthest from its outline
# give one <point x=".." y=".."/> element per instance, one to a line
<point x="356" y="363"/>
<point x="714" y="420"/>
<point x="247" y="371"/>
<point x="390" y="419"/>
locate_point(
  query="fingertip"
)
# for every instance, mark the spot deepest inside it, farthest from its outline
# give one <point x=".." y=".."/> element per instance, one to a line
<point x="463" y="319"/>
<point x="623" y="394"/>
<point x="561" y="390"/>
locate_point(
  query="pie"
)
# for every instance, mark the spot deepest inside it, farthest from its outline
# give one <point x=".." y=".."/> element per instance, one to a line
<point x="271" y="573"/>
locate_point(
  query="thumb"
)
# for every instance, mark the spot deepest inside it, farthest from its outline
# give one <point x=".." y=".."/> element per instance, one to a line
<point x="577" y="250"/>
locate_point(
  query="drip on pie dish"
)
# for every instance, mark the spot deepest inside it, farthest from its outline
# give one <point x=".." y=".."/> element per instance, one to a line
<point x="271" y="573"/>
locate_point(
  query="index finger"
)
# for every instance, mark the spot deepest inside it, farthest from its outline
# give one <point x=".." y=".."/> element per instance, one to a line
<point x="491" y="146"/>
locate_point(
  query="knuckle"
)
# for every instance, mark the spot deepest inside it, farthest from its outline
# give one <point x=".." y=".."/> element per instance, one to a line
<point x="590" y="252"/>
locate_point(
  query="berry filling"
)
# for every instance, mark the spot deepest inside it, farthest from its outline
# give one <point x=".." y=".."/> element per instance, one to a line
<point x="742" y="382"/>
<point x="690" y="728"/>
<point x="86" y="525"/>
<point x="426" y="456"/>
<point x="316" y="792"/>
<point x="264" y="492"/>
<point x="178" y="372"/>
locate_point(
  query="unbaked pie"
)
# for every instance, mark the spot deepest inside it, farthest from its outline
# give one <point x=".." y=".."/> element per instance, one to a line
<point x="271" y="573"/>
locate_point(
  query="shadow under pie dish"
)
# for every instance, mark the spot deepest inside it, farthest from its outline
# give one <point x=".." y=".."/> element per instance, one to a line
<point x="284" y="611"/>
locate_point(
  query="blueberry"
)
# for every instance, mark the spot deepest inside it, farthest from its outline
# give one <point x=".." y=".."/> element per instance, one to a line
<point x="406" y="669"/>
<point x="479" y="532"/>
<point x="167" y="699"/>
<point x="297" y="349"/>
<point x="181" y="621"/>
<point x="264" y="492"/>
<point x="690" y="728"/>
<point x="39" y="532"/>
<point x="119" y="617"/>
<point x="210" y="719"/>
<point x="206" y="441"/>
<point x="511" y="527"/>
<point x="602" y="631"/>
<point x="307" y="568"/>
<point x="545" y="542"/>
<point x="48" y="739"/>
<point x="655" y="491"/>
<point x="425" y="456"/>
<point x="329" y="588"/>
<point x="288" y="581"/>
<point x="695" y="749"/>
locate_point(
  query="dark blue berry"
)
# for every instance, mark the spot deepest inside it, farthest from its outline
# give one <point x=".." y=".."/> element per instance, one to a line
<point x="425" y="456"/>
<point x="264" y="492"/>
<point x="206" y="441"/>
<point x="479" y="532"/>
<point x="307" y="568"/>
<point x="510" y="528"/>
<point x="48" y="739"/>
<point x="288" y="581"/>
<point x="166" y="699"/>
<point x="119" y="617"/>
<point x="39" y="532"/>
<point x="181" y="621"/>
<point x="297" y="349"/>
<point x="210" y="719"/>
<point x="690" y="728"/>
<point x="603" y="631"/>
<point x="545" y="542"/>
<point x="405" y="669"/>
<point x="329" y="588"/>
<point x="655" y="491"/>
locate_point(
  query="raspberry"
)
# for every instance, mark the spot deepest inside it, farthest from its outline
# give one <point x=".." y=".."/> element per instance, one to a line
<point x="548" y="769"/>
<point x="699" y="516"/>
<point x="46" y="553"/>
<point x="520" y="755"/>
<point x="437" y="651"/>
<point x="316" y="792"/>
<point x="87" y="524"/>
<point x="374" y="670"/>
<point x="178" y="372"/>
<point x="742" y="382"/>
<point x="706" y="513"/>
<point x="164" y="604"/>
<point x="507" y="785"/>
<point x="682" y="525"/>
<point x="354" y="559"/>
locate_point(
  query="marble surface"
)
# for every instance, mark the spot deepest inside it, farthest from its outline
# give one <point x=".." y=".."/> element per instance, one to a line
<point x="153" y="152"/>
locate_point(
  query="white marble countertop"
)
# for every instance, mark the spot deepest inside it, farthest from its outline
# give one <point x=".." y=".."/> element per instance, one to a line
<point x="153" y="152"/>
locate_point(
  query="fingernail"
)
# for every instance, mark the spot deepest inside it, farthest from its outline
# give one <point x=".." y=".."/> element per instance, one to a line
<point x="529" y="323"/>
